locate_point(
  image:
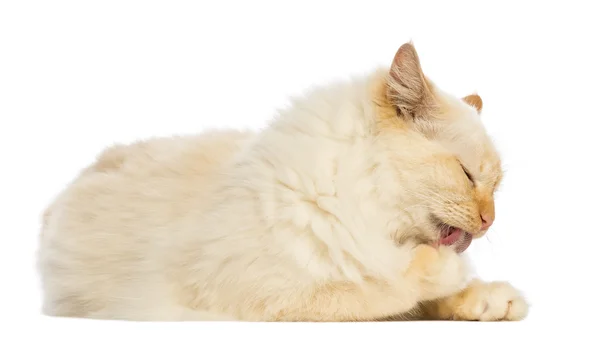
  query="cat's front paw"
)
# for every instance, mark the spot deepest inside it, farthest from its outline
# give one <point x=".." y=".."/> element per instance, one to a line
<point x="493" y="301"/>
<point x="440" y="271"/>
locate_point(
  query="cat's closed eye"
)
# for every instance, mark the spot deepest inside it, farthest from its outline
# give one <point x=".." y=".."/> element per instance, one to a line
<point x="468" y="174"/>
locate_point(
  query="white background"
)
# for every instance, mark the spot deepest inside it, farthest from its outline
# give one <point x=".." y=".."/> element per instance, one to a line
<point x="76" y="76"/>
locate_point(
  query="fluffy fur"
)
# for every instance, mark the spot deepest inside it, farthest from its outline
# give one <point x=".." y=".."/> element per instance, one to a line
<point x="329" y="214"/>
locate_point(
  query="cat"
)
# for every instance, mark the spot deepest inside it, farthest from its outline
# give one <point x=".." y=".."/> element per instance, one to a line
<point x="354" y="204"/>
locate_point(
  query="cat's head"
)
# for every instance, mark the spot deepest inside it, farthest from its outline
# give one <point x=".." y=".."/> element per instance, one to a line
<point x="448" y="167"/>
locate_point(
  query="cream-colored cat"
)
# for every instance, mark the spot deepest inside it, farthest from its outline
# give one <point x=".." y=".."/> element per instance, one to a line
<point x="354" y="204"/>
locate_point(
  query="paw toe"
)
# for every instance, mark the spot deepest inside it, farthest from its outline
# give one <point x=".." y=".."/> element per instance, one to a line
<point x="517" y="311"/>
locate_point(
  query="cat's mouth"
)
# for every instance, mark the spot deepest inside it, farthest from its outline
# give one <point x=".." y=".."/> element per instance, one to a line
<point x="450" y="235"/>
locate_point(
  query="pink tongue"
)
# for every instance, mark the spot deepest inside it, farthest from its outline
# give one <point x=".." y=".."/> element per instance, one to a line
<point x="452" y="238"/>
<point x="458" y="237"/>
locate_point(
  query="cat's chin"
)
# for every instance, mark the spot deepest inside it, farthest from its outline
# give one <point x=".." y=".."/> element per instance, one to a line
<point x="464" y="242"/>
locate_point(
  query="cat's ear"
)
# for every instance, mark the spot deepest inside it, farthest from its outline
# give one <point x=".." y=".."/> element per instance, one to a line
<point x="475" y="101"/>
<point x="407" y="86"/>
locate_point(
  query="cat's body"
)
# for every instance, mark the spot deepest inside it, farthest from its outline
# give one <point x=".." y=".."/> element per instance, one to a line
<point x="327" y="215"/>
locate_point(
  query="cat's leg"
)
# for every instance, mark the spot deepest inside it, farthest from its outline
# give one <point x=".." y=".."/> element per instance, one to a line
<point x="437" y="271"/>
<point x="155" y="312"/>
<point x="480" y="301"/>
<point x="433" y="273"/>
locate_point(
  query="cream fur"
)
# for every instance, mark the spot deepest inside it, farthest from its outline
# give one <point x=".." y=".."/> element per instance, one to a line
<point x="323" y="216"/>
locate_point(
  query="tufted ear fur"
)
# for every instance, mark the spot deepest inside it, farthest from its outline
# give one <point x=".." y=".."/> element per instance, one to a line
<point x="475" y="101"/>
<point x="408" y="88"/>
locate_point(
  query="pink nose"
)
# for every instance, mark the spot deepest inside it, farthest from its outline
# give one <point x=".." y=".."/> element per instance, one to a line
<point x="486" y="222"/>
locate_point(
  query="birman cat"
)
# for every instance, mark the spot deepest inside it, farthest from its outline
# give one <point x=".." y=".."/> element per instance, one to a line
<point x="354" y="204"/>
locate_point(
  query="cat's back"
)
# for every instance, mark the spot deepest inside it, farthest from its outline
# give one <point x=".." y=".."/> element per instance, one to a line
<point x="111" y="225"/>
